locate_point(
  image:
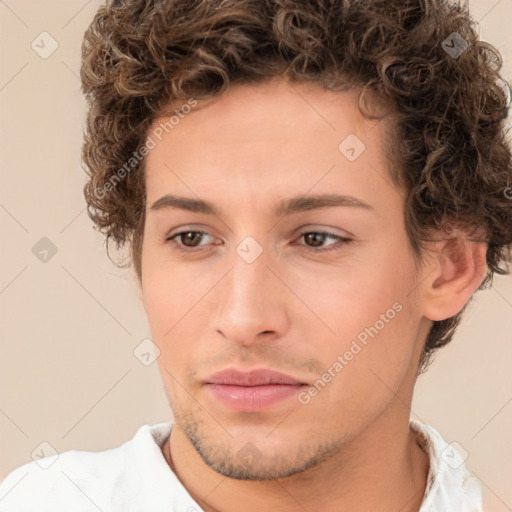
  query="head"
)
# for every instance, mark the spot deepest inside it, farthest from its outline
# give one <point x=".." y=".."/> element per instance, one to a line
<point x="341" y="181"/>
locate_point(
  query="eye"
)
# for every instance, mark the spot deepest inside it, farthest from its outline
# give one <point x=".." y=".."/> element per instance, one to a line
<point x="188" y="239"/>
<point x="316" y="239"/>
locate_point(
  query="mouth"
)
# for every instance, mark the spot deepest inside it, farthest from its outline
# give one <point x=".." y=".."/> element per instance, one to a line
<point x="252" y="391"/>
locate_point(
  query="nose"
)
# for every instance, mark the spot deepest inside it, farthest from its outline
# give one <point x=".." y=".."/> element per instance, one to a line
<point x="252" y="303"/>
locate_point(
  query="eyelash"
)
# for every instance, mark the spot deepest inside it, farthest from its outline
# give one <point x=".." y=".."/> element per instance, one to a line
<point x="337" y="246"/>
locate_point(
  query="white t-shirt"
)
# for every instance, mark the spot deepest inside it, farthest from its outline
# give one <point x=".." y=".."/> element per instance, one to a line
<point x="135" y="477"/>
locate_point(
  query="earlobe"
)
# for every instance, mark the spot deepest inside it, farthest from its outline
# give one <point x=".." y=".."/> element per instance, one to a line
<point x="457" y="270"/>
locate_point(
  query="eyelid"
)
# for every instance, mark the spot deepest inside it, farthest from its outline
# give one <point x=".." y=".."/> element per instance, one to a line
<point x="324" y="229"/>
<point x="187" y="229"/>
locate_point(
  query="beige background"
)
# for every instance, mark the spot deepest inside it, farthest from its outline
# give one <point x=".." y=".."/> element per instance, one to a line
<point x="69" y="326"/>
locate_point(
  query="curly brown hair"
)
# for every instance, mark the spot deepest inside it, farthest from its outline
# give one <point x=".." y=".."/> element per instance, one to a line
<point x="422" y="57"/>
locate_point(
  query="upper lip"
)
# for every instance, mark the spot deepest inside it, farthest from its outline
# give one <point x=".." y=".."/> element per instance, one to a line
<point x="257" y="377"/>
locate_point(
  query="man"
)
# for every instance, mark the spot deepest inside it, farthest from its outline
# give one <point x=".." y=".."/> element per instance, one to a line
<point x="312" y="192"/>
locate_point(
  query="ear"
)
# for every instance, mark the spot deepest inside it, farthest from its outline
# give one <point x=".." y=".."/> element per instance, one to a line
<point x="457" y="269"/>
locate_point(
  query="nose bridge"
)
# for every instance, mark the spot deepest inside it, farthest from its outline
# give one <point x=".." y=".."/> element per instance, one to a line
<point x="251" y="302"/>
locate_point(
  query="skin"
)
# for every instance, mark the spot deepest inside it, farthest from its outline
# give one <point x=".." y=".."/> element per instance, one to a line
<point x="292" y="309"/>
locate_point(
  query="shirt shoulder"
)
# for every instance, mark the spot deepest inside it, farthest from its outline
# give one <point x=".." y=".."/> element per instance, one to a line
<point x="69" y="477"/>
<point x="131" y="477"/>
<point x="450" y="486"/>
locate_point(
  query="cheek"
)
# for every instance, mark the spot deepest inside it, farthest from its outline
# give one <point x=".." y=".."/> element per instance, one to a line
<point x="164" y="298"/>
<point x="351" y="295"/>
<point x="366" y="363"/>
<point x="371" y="307"/>
<point x="375" y="364"/>
<point x="177" y="300"/>
<point x="169" y="289"/>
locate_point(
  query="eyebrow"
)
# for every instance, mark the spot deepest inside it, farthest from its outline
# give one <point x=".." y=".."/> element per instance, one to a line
<point x="285" y="207"/>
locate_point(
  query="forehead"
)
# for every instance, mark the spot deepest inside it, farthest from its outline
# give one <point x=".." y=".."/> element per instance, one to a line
<point x="277" y="99"/>
<point x="267" y="138"/>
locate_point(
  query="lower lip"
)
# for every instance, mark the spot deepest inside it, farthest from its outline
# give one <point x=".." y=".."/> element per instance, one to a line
<point x="253" y="398"/>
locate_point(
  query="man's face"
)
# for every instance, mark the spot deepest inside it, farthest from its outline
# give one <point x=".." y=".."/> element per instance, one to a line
<point x="326" y="295"/>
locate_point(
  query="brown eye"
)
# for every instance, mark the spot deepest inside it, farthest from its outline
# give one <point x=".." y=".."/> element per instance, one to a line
<point x="188" y="238"/>
<point x="314" y="239"/>
<point x="318" y="241"/>
<point x="191" y="238"/>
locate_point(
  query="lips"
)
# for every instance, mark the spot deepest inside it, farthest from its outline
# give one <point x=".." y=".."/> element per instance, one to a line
<point x="252" y="391"/>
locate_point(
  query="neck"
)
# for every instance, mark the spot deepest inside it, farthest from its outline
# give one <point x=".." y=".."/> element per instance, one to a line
<point x="383" y="469"/>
